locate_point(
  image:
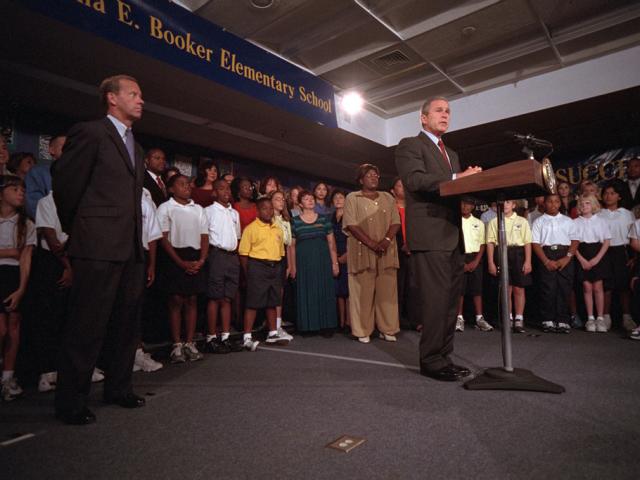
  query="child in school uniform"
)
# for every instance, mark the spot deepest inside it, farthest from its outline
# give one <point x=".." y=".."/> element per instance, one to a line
<point x="224" y="267"/>
<point x="518" y="233"/>
<point x="620" y="221"/>
<point x="261" y="251"/>
<point x="594" y="236"/>
<point x="474" y="247"/>
<point x="151" y="233"/>
<point x="17" y="238"/>
<point x="634" y="236"/>
<point x="554" y="243"/>
<point x="185" y="238"/>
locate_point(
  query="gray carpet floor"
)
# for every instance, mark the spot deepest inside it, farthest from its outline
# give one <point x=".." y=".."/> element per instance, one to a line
<point x="270" y="414"/>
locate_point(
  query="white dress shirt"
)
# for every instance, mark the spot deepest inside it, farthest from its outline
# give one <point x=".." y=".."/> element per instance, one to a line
<point x="488" y="215"/>
<point x="550" y="230"/>
<point x="533" y="216"/>
<point x="150" y="227"/>
<point x="592" y="230"/>
<point x="635" y="230"/>
<point x="8" y="237"/>
<point x="47" y="217"/>
<point x="224" y="226"/>
<point x="620" y="221"/>
<point x="184" y="223"/>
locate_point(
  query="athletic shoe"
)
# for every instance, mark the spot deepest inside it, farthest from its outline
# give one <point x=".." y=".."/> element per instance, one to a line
<point x="97" y="375"/>
<point x="364" y="339"/>
<point x="283" y="333"/>
<point x="460" y="324"/>
<point x="483" y="325"/>
<point x="191" y="352"/>
<point x="548" y="327"/>
<point x="635" y="335"/>
<point x="563" y="328"/>
<point x="10" y="390"/>
<point x="144" y="362"/>
<point x="576" y="321"/>
<point x="44" y="385"/>
<point x="276" y="339"/>
<point x="607" y="321"/>
<point x="590" y="326"/>
<point x="518" y="326"/>
<point x="177" y="354"/>
<point x="628" y="324"/>
<point x="601" y="325"/>
<point x="388" y="338"/>
<point x="216" y="346"/>
<point x="250" y="345"/>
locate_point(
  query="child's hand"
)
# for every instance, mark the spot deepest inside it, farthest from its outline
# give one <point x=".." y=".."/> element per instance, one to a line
<point x="551" y="265"/>
<point x="66" y="279"/>
<point x="336" y="269"/>
<point x="493" y="270"/>
<point x="526" y="268"/>
<point x="151" y="275"/>
<point x="12" y="301"/>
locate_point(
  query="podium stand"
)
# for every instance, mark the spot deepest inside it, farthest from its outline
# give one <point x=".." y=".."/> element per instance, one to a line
<point x="524" y="178"/>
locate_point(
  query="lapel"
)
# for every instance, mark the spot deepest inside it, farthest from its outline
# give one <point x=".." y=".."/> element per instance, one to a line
<point x="435" y="153"/>
<point x="117" y="140"/>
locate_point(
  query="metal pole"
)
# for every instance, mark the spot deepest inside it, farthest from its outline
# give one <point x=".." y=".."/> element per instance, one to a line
<point x="504" y="288"/>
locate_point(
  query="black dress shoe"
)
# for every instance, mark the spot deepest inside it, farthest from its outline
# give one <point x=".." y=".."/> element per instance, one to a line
<point x="81" y="417"/>
<point x="445" y="374"/>
<point x="463" y="371"/>
<point x="130" y="400"/>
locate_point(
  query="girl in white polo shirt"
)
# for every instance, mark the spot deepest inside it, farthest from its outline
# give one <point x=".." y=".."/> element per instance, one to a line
<point x="620" y="221"/>
<point x="593" y="233"/>
<point x="185" y="238"/>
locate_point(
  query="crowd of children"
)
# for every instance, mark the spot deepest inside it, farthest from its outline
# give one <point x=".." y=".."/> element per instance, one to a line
<point x="237" y="250"/>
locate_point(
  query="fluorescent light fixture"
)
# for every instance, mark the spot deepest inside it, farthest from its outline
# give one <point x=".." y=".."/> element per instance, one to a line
<point x="352" y="103"/>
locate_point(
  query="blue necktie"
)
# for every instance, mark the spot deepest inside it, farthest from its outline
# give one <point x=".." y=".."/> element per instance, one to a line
<point x="130" y="144"/>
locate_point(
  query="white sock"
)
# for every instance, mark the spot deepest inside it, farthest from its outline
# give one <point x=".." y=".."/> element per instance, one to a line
<point x="519" y="317"/>
<point x="273" y="333"/>
<point x="278" y="323"/>
<point x="460" y="317"/>
<point x="478" y="317"/>
<point x="211" y="337"/>
<point x="224" y="336"/>
<point x="7" y="375"/>
<point x="246" y="336"/>
<point x="591" y="317"/>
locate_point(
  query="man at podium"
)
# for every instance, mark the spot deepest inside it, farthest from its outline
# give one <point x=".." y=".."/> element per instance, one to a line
<point x="433" y="237"/>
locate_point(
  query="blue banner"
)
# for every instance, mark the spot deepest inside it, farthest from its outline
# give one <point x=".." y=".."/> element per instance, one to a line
<point x="598" y="167"/>
<point x="171" y="34"/>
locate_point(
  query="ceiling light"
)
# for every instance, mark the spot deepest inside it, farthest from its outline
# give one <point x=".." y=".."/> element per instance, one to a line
<point x="352" y="103"/>
<point x="261" y="4"/>
<point x="468" y="31"/>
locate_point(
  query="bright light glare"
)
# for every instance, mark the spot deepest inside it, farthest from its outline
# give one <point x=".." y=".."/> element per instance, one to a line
<point x="352" y="103"/>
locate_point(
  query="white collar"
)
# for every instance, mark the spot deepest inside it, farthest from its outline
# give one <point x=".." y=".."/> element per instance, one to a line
<point x="173" y="202"/>
<point x="121" y="127"/>
<point x="434" y="138"/>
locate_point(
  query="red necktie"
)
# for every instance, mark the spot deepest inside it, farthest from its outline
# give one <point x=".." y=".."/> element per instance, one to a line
<point x="161" y="184"/>
<point x="444" y="153"/>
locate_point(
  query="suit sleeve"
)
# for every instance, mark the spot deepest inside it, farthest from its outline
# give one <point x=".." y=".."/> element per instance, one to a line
<point x="72" y="172"/>
<point x="411" y="166"/>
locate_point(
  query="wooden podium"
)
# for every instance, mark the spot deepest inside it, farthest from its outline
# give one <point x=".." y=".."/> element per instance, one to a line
<point x="512" y="181"/>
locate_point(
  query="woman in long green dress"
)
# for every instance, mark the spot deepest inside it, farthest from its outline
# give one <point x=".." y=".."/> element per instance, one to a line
<point x="316" y="263"/>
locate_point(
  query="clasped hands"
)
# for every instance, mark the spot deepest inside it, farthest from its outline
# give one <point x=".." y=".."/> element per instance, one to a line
<point x="469" y="171"/>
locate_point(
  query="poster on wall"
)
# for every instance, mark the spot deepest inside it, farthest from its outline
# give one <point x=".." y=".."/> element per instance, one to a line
<point x="184" y="164"/>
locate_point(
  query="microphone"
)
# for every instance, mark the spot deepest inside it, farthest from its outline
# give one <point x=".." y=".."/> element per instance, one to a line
<point x="528" y="139"/>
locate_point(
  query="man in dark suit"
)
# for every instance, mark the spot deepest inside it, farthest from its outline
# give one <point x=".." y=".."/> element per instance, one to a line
<point x="433" y="235"/>
<point x="631" y="197"/>
<point x="97" y="185"/>
<point x="156" y="163"/>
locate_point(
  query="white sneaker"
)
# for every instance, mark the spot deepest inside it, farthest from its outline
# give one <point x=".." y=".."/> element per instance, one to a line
<point x="177" y="353"/>
<point x="191" y="352"/>
<point x="277" y="339"/>
<point x="607" y="322"/>
<point x="388" y="338"/>
<point x="10" y="390"/>
<point x="44" y="385"/>
<point x="635" y="335"/>
<point x="97" y="375"/>
<point x="483" y="325"/>
<point x="628" y="324"/>
<point x="250" y="345"/>
<point x="590" y="326"/>
<point x="364" y="339"/>
<point x="601" y="325"/>
<point x="144" y="362"/>
<point x="283" y="334"/>
<point x="460" y="324"/>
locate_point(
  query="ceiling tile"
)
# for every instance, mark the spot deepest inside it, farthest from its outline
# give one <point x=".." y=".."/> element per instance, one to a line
<point x="413" y="100"/>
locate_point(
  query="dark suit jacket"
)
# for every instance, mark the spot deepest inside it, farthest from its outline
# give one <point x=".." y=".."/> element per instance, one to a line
<point x="432" y="221"/>
<point x="157" y="195"/>
<point x="97" y="193"/>
<point x="629" y="201"/>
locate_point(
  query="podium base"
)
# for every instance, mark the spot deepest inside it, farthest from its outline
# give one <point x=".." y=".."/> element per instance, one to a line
<point x="519" y="379"/>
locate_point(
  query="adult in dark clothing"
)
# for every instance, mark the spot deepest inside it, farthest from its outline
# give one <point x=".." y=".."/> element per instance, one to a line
<point x="631" y="197"/>
<point x="156" y="163"/>
<point x="97" y="186"/>
<point x="433" y="237"/>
